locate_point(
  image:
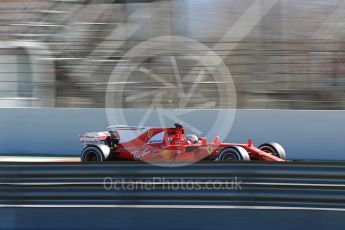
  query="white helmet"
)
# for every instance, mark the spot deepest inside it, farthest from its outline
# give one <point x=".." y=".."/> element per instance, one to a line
<point x="192" y="138"/>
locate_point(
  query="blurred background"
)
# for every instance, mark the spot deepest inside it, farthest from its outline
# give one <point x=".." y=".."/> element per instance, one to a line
<point x="283" y="54"/>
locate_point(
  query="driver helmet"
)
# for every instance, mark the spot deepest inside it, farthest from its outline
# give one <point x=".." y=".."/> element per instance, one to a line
<point x="192" y="138"/>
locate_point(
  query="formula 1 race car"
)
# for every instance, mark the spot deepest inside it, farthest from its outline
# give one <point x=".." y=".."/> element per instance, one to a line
<point x="169" y="144"/>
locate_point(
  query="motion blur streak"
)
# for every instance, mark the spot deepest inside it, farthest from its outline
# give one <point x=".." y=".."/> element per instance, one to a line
<point x="290" y="195"/>
<point x="281" y="54"/>
<point x="175" y="207"/>
<point x="156" y="219"/>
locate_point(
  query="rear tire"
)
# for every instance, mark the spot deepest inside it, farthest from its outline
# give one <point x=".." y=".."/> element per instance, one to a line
<point x="92" y="154"/>
<point x="234" y="153"/>
<point x="273" y="148"/>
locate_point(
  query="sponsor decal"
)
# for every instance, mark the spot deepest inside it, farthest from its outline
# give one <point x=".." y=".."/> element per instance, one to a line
<point x="155" y="155"/>
<point x="138" y="155"/>
<point x="154" y="141"/>
<point x="165" y="155"/>
<point x="162" y="155"/>
<point x="89" y="139"/>
<point x="149" y="134"/>
<point x="179" y="142"/>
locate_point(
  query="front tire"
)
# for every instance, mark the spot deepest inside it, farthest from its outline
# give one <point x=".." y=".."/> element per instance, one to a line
<point x="93" y="154"/>
<point x="234" y="153"/>
<point x="273" y="148"/>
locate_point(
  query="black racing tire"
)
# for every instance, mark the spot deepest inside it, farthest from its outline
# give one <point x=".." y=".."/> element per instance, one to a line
<point x="234" y="153"/>
<point x="273" y="148"/>
<point x="92" y="154"/>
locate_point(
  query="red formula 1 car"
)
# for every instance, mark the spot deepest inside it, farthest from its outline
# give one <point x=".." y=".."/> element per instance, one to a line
<point x="169" y="144"/>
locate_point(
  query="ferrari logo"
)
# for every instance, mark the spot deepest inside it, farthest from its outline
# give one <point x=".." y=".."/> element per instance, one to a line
<point x="209" y="149"/>
<point x="154" y="155"/>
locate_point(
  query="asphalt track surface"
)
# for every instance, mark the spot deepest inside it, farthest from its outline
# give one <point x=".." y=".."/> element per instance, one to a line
<point x="156" y="214"/>
<point x="168" y="218"/>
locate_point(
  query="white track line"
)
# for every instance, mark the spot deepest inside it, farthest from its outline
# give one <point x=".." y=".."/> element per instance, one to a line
<point x="294" y="184"/>
<point x="172" y="207"/>
<point x="167" y="183"/>
<point x="38" y="159"/>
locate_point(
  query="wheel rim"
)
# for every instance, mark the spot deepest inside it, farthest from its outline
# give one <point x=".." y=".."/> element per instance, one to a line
<point x="91" y="156"/>
<point x="270" y="150"/>
<point x="229" y="157"/>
